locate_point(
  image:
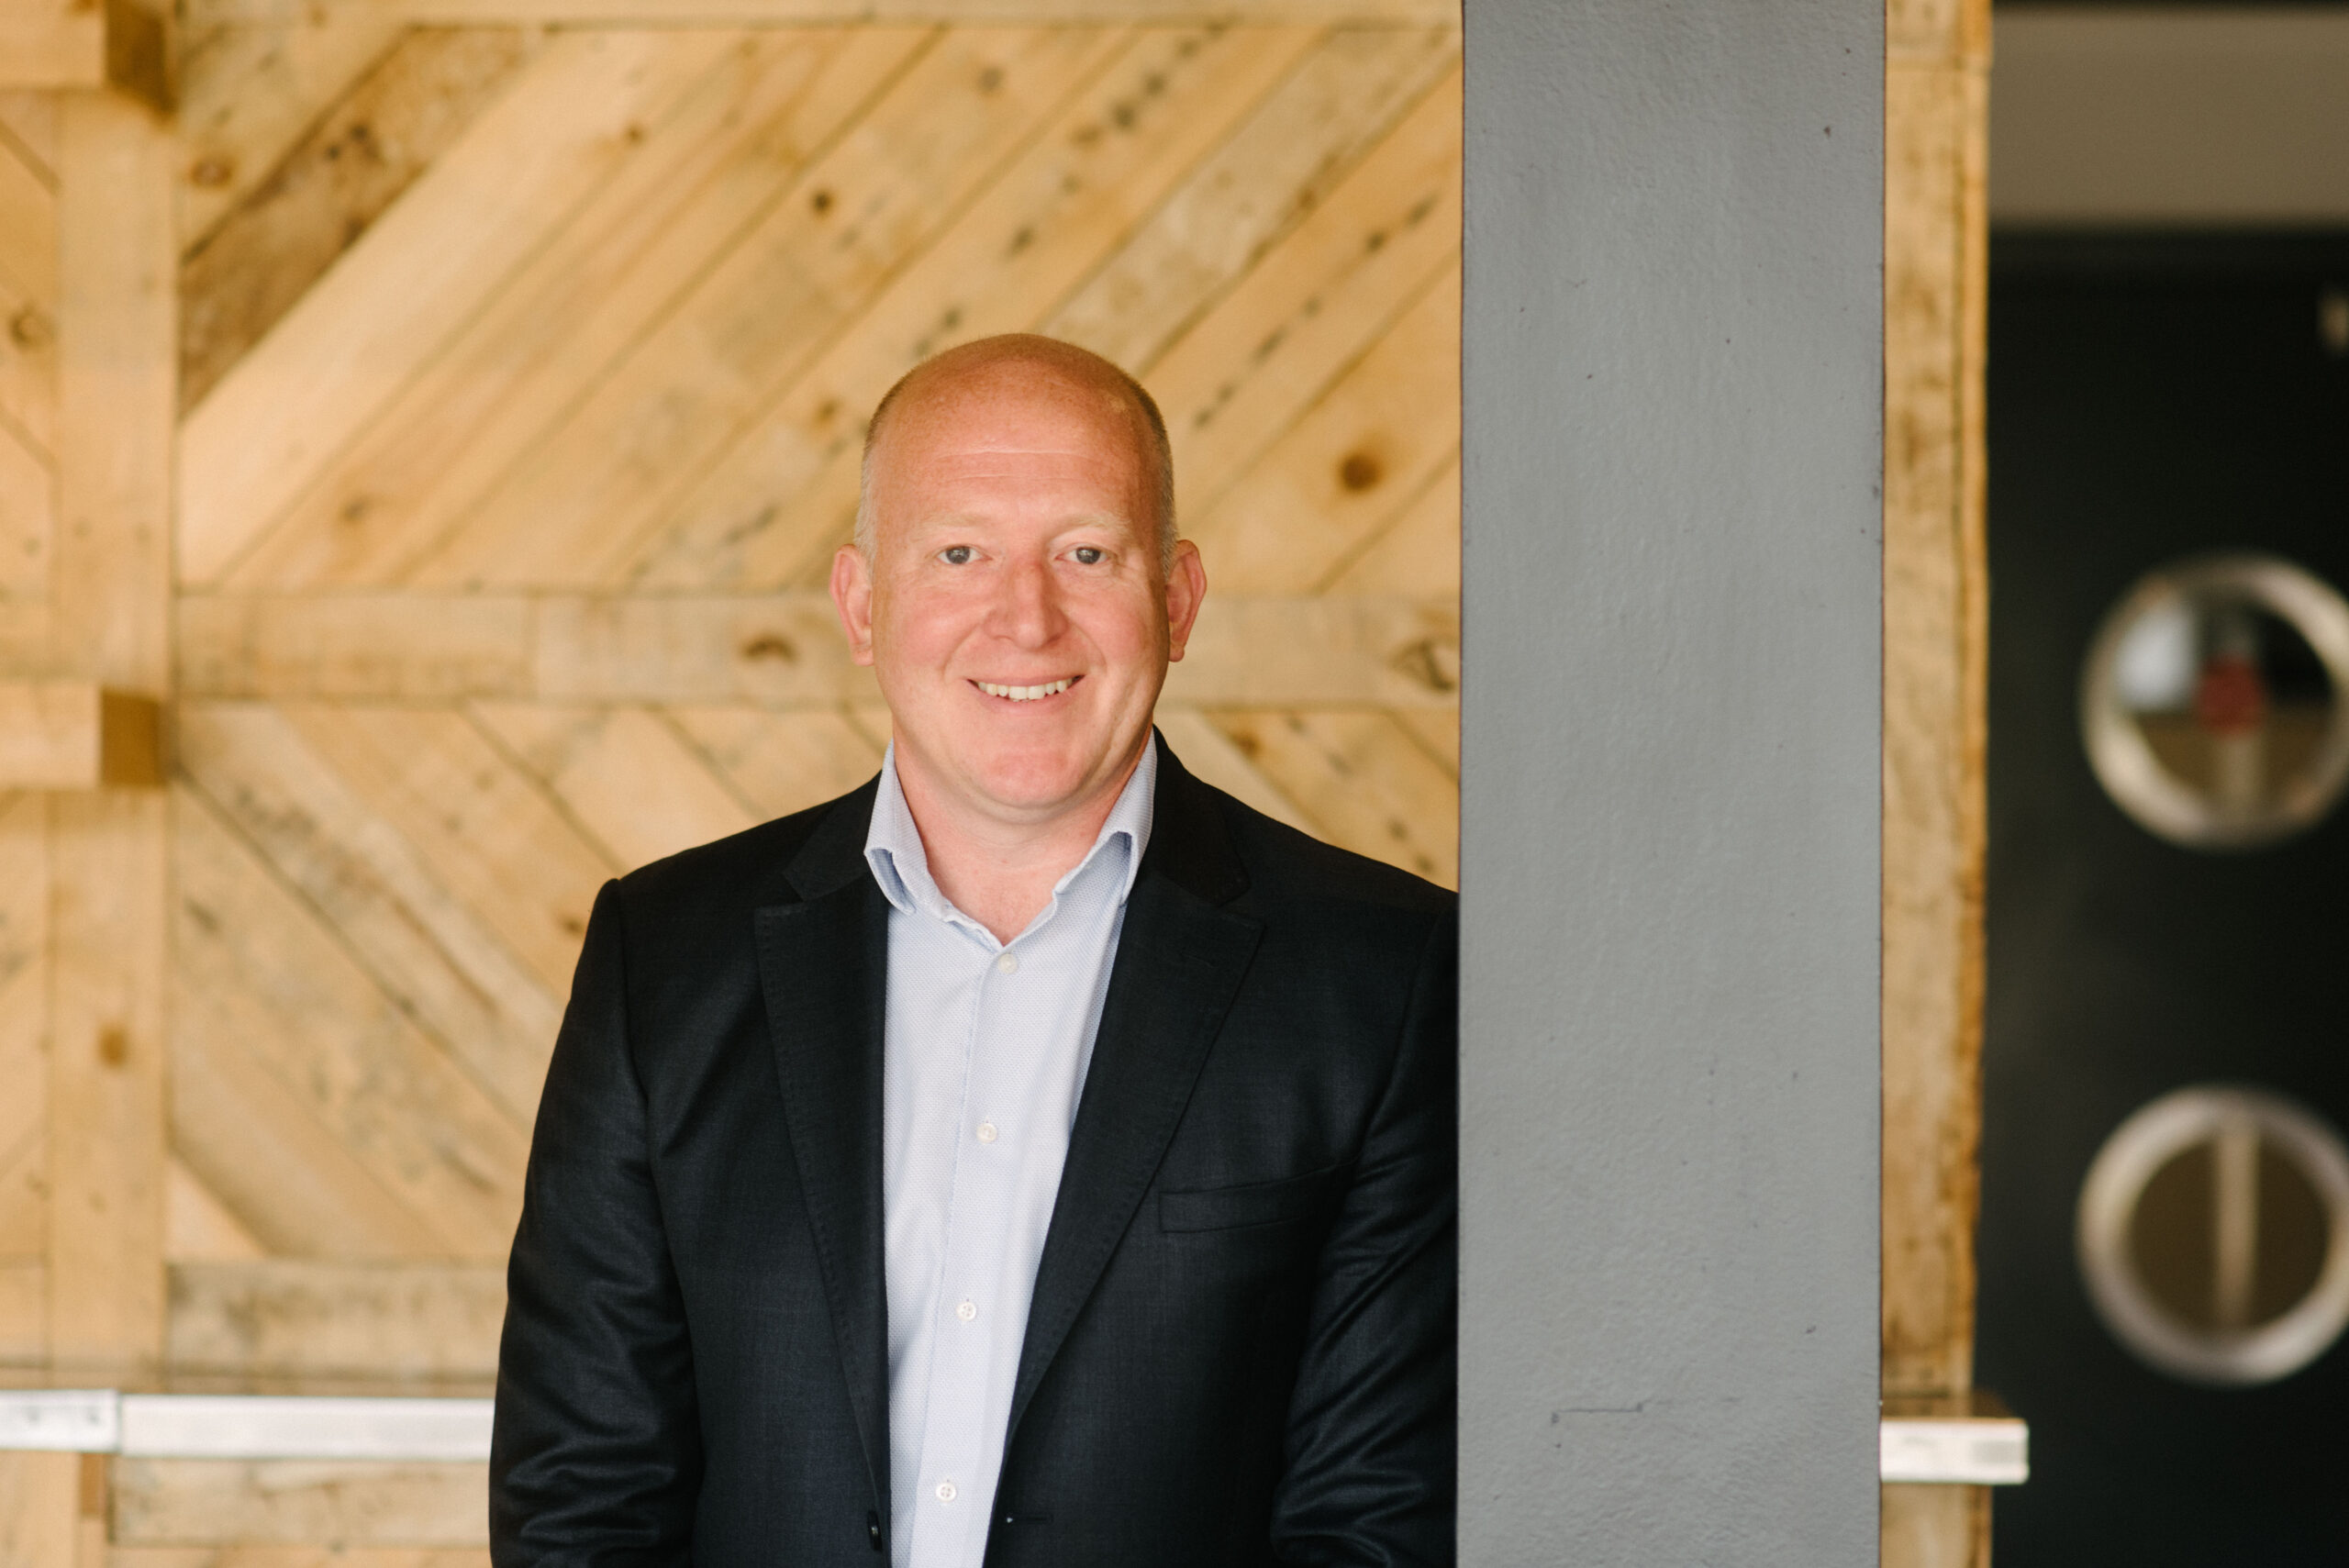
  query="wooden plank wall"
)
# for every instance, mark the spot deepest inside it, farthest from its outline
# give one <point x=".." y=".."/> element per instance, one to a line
<point x="450" y="412"/>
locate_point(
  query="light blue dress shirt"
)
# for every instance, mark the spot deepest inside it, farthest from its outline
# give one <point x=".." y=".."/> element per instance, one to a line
<point x="985" y="1054"/>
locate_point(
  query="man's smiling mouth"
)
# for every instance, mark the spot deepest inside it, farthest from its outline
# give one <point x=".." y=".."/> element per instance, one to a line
<point x="1027" y="694"/>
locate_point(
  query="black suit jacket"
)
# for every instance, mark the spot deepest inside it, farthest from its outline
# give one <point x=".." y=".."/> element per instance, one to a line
<point x="1240" y="1345"/>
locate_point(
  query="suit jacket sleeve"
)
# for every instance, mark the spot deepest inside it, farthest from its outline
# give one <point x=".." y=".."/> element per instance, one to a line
<point x="1371" y="1431"/>
<point x="595" y="1458"/>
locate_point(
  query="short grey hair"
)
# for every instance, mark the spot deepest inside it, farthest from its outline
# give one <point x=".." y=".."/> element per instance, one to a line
<point x="1039" y="350"/>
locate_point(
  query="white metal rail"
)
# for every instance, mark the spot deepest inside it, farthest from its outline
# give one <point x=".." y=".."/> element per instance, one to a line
<point x="1980" y="1451"/>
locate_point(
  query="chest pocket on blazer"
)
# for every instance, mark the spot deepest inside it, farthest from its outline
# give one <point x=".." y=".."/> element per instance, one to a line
<point x="1253" y="1203"/>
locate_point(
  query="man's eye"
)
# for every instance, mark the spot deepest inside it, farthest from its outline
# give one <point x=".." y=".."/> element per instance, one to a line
<point x="955" y="555"/>
<point x="1088" y="555"/>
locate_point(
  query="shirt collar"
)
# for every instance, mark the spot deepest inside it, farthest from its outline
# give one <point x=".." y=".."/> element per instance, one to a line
<point x="893" y="845"/>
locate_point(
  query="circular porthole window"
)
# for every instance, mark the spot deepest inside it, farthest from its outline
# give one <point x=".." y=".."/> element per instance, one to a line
<point x="2215" y="704"/>
<point x="2214" y="1235"/>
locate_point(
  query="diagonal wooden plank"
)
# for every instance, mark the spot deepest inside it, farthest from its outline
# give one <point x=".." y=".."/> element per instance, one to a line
<point x="198" y="1227"/>
<point x="28" y="229"/>
<point x="24" y="1197"/>
<point x="778" y="501"/>
<point x="24" y="1337"/>
<point x="28" y="128"/>
<point x="625" y="773"/>
<point x="686" y="193"/>
<point x="434" y="960"/>
<point x="1208" y="753"/>
<point x="425" y="269"/>
<point x="268" y="1154"/>
<point x="483" y="828"/>
<point x="1369" y="786"/>
<point x="24" y="967"/>
<point x="1418" y="552"/>
<point x="1437" y="731"/>
<point x="27" y="369"/>
<point x="27" y="516"/>
<point x="249" y="92"/>
<point x="264" y="254"/>
<point x="1296" y="149"/>
<point x="780" y="762"/>
<point x="570" y="513"/>
<point x="284" y="1043"/>
<point x="1351" y="465"/>
<point x="1313" y="306"/>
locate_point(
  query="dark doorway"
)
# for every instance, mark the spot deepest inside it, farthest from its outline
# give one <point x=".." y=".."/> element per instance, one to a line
<point x="2153" y="399"/>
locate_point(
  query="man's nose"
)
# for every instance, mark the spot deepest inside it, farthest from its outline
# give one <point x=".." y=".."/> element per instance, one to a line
<point x="1029" y="613"/>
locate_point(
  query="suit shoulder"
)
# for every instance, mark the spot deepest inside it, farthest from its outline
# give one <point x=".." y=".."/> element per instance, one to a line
<point x="749" y="869"/>
<point x="1286" y="864"/>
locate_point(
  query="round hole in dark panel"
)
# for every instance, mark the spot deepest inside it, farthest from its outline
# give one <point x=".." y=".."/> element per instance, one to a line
<point x="2215" y="701"/>
<point x="2214" y="1235"/>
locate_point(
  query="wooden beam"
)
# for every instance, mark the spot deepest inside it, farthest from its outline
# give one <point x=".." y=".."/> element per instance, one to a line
<point x="771" y="650"/>
<point x="53" y="44"/>
<point x="109" y="601"/>
<point x="1936" y="664"/>
<point x="131" y="45"/>
<point x="77" y="735"/>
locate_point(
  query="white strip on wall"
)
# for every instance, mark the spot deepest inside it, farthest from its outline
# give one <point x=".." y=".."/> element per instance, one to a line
<point x="206" y="1426"/>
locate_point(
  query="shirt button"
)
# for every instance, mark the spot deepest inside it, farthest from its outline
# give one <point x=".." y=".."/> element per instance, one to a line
<point x="946" y="1491"/>
<point x="967" y="1310"/>
<point x="1008" y="962"/>
<point x="987" y="1133"/>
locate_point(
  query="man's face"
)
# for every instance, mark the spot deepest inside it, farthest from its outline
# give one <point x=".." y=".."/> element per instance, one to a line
<point x="1014" y="610"/>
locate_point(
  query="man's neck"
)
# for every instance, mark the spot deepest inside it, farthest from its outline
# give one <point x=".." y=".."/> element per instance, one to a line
<point x="1002" y="874"/>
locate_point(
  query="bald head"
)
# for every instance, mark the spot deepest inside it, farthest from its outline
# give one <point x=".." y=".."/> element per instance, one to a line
<point x="1021" y="364"/>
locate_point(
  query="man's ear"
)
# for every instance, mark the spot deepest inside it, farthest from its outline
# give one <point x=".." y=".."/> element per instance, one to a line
<point x="852" y="596"/>
<point x="1186" y="589"/>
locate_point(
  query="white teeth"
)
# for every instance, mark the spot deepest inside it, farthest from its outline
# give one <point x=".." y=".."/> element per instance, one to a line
<point x="1027" y="694"/>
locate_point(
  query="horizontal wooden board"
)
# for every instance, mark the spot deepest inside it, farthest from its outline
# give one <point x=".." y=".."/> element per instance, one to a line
<point x="24" y="1310"/>
<point x="247" y="1556"/>
<point x="771" y="650"/>
<point x="53" y="44"/>
<point x="199" y="1502"/>
<point x="283" y="1319"/>
<point x="623" y="13"/>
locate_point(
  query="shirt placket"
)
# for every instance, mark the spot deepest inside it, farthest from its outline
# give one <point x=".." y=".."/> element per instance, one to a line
<point x="956" y="1481"/>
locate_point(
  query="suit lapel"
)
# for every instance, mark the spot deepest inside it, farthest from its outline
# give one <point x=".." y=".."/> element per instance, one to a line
<point x="1179" y="964"/>
<point x="823" y="966"/>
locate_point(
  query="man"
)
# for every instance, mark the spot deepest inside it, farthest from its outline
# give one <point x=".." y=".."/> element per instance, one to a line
<point x="1034" y="1156"/>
